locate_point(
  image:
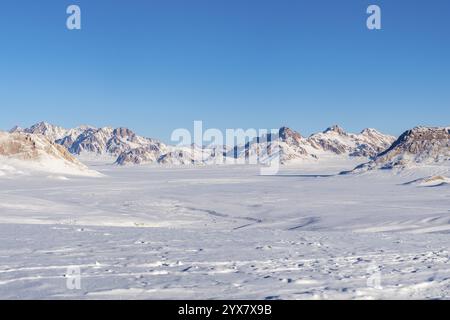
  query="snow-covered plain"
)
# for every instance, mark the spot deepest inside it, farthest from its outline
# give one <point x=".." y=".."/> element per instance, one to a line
<point x="226" y="232"/>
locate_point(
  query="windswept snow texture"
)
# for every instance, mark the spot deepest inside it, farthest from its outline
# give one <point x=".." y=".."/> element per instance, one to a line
<point x="226" y="232"/>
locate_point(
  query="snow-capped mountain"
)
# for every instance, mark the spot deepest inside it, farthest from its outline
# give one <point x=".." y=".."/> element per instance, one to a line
<point x="110" y="141"/>
<point x="26" y="151"/>
<point x="418" y="146"/>
<point x="122" y="143"/>
<point x="173" y="155"/>
<point x="179" y="157"/>
<point x="288" y="145"/>
<point x="291" y="146"/>
<point x="141" y="155"/>
<point x="72" y="135"/>
<point x="334" y="141"/>
<point x="52" y="132"/>
<point x="16" y="129"/>
<point x="191" y="155"/>
<point x="368" y="143"/>
<point x="88" y="139"/>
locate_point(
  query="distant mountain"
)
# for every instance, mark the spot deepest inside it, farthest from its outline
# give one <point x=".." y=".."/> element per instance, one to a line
<point x="416" y="147"/>
<point x="334" y="141"/>
<point x="173" y="155"/>
<point x="110" y="141"/>
<point x="16" y="129"/>
<point x="129" y="148"/>
<point x="288" y="144"/>
<point x="50" y="131"/>
<point x="36" y="152"/>
<point x="141" y="155"/>
<point x="88" y="139"/>
<point x="179" y="157"/>
<point x="72" y="135"/>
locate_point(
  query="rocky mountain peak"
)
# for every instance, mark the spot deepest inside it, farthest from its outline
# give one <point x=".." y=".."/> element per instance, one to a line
<point x="46" y="129"/>
<point x="124" y="133"/>
<point x="43" y="127"/>
<point x="370" y="132"/>
<point x="286" y="133"/>
<point x="335" y="129"/>
<point x="16" y="129"/>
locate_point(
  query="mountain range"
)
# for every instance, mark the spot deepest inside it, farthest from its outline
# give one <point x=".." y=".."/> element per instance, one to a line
<point x="374" y="149"/>
<point x="334" y="141"/>
<point x="130" y="148"/>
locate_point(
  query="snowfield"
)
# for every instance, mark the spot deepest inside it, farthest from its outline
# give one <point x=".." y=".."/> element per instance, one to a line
<point x="226" y="232"/>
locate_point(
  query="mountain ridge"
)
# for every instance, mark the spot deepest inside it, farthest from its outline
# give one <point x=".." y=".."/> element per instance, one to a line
<point x="131" y="149"/>
<point x="415" y="147"/>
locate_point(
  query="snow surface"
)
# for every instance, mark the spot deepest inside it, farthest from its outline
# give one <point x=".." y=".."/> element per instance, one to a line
<point x="11" y="168"/>
<point x="226" y="232"/>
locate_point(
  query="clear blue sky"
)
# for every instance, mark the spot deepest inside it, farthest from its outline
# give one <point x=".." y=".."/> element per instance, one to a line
<point x="157" y="65"/>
